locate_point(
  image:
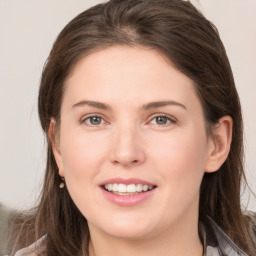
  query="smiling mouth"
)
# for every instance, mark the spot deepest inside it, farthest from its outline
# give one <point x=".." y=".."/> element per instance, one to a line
<point x="126" y="190"/>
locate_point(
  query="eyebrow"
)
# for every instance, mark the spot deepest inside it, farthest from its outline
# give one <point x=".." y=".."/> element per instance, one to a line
<point x="94" y="104"/>
<point x="151" y="105"/>
<point x="159" y="104"/>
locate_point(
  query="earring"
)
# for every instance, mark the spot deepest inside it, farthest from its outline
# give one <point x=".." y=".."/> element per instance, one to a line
<point x="62" y="184"/>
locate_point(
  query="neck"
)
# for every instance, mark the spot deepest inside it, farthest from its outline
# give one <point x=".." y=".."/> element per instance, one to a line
<point x="182" y="241"/>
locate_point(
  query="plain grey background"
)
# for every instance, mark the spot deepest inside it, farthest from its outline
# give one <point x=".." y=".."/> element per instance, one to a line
<point x="28" y="29"/>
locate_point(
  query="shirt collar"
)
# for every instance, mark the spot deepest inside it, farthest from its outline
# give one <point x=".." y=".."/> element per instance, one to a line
<point x="216" y="242"/>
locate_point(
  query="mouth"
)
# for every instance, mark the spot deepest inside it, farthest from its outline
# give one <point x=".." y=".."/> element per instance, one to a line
<point x="127" y="189"/>
<point x="128" y="192"/>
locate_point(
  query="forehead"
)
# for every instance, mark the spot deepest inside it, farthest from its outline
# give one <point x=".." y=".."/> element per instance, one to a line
<point x="122" y="74"/>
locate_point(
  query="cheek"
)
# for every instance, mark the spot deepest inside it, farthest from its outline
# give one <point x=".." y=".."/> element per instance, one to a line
<point x="180" y="159"/>
<point x="182" y="147"/>
<point x="82" y="157"/>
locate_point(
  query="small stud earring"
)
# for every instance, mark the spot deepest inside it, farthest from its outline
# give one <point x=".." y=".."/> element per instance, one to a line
<point x="62" y="184"/>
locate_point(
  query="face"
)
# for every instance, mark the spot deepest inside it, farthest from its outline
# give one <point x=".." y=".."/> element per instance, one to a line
<point x="132" y="143"/>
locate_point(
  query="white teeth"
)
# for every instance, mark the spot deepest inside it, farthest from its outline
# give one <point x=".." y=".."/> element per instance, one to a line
<point x="145" y="187"/>
<point x="131" y="188"/>
<point x="139" y="188"/>
<point x="115" y="187"/>
<point x="122" y="188"/>
<point x="110" y="186"/>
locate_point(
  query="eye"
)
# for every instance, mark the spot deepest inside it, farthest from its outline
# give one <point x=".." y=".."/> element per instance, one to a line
<point x="162" y="120"/>
<point x="93" y="120"/>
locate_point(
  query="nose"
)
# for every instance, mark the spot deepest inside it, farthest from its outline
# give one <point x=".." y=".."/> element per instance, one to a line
<point x="127" y="148"/>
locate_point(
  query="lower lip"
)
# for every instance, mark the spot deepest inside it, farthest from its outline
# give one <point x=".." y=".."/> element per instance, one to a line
<point x="128" y="200"/>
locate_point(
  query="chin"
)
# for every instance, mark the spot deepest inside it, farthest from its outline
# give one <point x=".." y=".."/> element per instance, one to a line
<point x="131" y="233"/>
<point x="129" y="228"/>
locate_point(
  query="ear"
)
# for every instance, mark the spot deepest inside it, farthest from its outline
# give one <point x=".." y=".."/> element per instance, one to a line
<point x="219" y="145"/>
<point x="54" y="137"/>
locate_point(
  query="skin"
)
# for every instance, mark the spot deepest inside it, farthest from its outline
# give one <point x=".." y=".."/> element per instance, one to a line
<point x="128" y="142"/>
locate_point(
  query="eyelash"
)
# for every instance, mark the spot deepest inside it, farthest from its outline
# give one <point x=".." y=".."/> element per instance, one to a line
<point x="92" y="116"/>
<point x="170" y="120"/>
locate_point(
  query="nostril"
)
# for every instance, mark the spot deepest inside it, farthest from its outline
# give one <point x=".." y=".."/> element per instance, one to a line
<point x="126" y="162"/>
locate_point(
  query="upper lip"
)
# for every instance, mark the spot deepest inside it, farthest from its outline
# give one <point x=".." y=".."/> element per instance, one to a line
<point x="126" y="181"/>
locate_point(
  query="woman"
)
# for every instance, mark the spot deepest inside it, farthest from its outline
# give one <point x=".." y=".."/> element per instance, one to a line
<point x="144" y="131"/>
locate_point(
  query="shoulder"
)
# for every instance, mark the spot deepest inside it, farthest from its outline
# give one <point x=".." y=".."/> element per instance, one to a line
<point x="251" y="222"/>
<point x="224" y="244"/>
<point x="34" y="249"/>
<point x="6" y="215"/>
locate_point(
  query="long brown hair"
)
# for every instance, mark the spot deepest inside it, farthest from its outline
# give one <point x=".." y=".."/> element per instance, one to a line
<point x="183" y="35"/>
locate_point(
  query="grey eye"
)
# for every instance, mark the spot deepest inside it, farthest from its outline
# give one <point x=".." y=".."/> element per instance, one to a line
<point x="94" y="120"/>
<point x="161" y="120"/>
